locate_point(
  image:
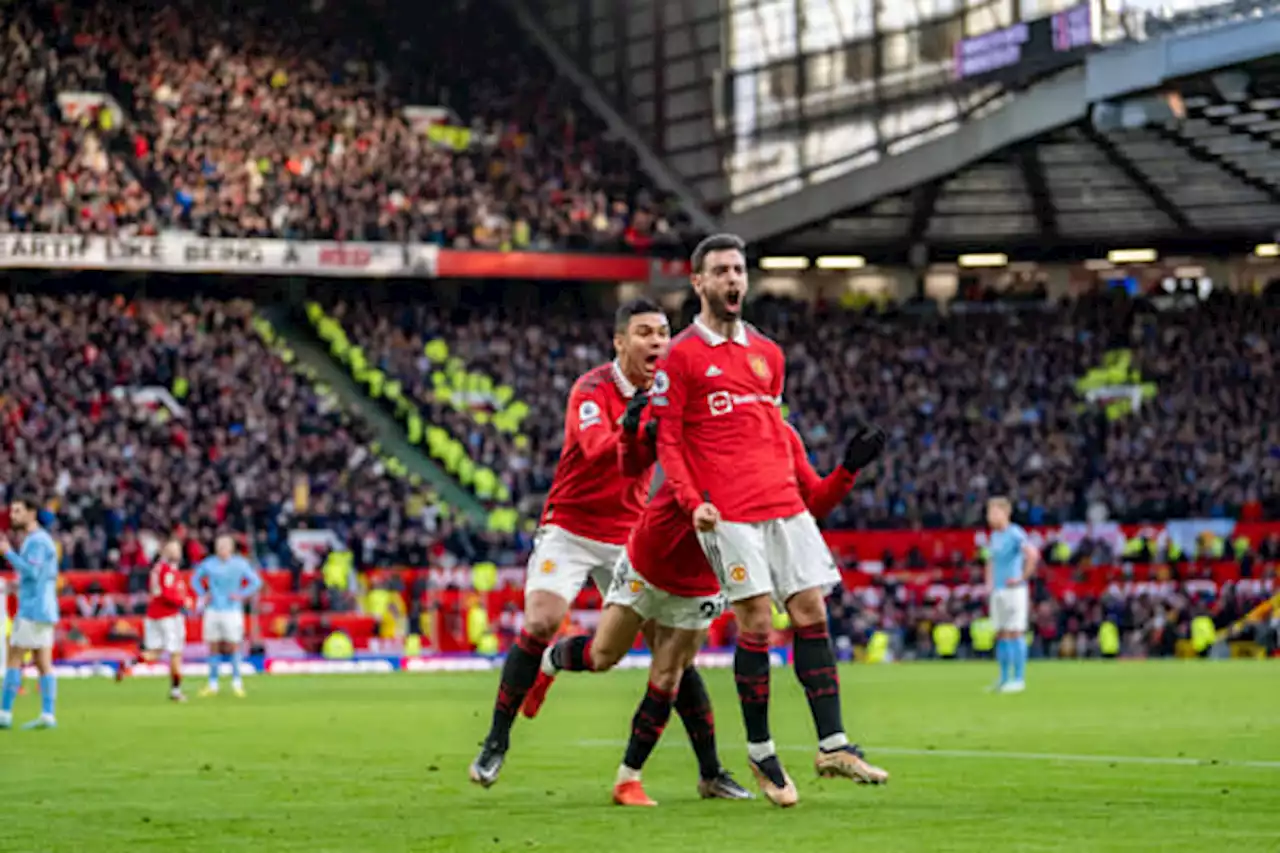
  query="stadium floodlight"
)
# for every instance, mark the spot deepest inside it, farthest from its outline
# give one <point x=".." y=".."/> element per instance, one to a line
<point x="984" y="259"/>
<point x="1267" y="250"/>
<point x="841" y="262"/>
<point x="784" y="262"/>
<point x="1132" y="256"/>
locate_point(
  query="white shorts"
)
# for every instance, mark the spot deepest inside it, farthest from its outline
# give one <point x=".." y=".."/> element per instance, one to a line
<point x="782" y="556"/>
<point x="223" y="626"/>
<point x="1010" y="608"/>
<point x="632" y="591"/>
<point x="28" y="635"/>
<point x="165" y="635"/>
<point x="562" y="561"/>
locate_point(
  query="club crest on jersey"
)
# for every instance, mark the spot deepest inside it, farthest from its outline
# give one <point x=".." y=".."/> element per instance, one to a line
<point x="759" y="366"/>
<point x="547" y="567"/>
<point x="635" y="587"/>
<point x="737" y="573"/>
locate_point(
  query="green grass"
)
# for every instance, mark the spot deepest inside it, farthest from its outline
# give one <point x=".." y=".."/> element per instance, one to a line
<point x="378" y="763"/>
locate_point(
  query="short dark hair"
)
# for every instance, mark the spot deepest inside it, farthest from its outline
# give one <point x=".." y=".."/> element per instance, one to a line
<point x="634" y="308"/>
<point x="28" y="500"/>
<point x="715" y="243"/>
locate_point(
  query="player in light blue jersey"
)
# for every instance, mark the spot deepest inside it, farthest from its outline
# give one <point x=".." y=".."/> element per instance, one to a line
<point x="36" y="564"/>
<point x="225" y="581"/>
<point x="1011" y="561"/>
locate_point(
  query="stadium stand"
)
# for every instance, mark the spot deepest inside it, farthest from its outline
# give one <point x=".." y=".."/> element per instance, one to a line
<point x="286" y="121"/>
<point x="976" y="405"/>
<point x="165" y="415"/>
<point x="59" y="171"/>
<point x="144" y="416"/>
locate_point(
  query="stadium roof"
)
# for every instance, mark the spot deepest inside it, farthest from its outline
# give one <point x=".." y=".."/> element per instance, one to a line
<point x="1065" y="168"/>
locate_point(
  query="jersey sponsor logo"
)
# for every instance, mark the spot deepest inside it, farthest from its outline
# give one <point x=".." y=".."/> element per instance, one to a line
<point x="661" y="384"/>
<point x="759" y="366"/>
<point x="737" y="573"/>
<point x="547" y="567"/>
<point x="713" y="372"/>
<point x="722" y="402"/>
<point x="588" y="414"/>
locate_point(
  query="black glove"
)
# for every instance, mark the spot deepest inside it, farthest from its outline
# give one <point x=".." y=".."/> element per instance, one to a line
<point x="651" y="431"/>
<point x="635" y="408"/>
<point x="864" y="448"/>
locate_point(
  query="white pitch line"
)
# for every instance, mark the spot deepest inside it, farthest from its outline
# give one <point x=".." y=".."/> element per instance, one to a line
<point x="1016" y="756"/>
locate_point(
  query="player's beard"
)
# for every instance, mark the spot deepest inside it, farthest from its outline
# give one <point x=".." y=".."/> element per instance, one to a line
<point x="721" y="310"/>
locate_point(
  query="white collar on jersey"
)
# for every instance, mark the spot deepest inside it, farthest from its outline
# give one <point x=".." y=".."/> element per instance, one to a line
<point x="715" y="339"/>
<point x="625" y="388"/>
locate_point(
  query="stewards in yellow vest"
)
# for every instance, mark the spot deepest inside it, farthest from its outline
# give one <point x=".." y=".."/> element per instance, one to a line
<point x="1109" y="640"/>
<point x="877" y="647"/>
<point x="337" y="646"/>
<point x="337" y="569"/>
<point x="477" y="622"/>
<point x="982" y="635"/>
<point x="1202" y="634"/>
<point x="946" y="639"/>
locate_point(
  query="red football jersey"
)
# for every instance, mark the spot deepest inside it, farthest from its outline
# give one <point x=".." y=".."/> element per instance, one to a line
<point x="590" y="496"/>
<point x="166" y="592"/>
<point x="664" y="547"/>
<point x="721" y="437"/>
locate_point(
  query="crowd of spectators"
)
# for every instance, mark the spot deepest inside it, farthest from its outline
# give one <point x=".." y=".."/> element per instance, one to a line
<point x="58" y="174"/>
<point x="276" y="119"/>
<point x="1150" y="624"/>
<point x="539" y="361"/>
<point x="167" y="416"/>
<point x="975" y="405"/>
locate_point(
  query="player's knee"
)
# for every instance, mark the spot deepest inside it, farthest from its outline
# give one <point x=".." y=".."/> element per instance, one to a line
<point x="754" y="616"/>
<point x="542" y="618"/>
<point x="807" y="608"/>
<point x="604" y="657"/>
<point x="666" y="677"/>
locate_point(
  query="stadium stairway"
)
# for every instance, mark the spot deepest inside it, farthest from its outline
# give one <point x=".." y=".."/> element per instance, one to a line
<point x="453" y="381"/>
<point x="393" y="444"/>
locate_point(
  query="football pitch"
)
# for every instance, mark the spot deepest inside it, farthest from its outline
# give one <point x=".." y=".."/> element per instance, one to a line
<point x="1099" y="756"/>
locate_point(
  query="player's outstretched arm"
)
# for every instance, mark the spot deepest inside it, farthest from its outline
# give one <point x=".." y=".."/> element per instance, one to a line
<point x="821" y="494"/>
<point x="670" y="411"/>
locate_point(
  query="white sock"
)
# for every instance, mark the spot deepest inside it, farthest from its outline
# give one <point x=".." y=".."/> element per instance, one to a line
<point x="760" y="751"/>
<point x="830" y="743"/>
<point x="626" y="774"/>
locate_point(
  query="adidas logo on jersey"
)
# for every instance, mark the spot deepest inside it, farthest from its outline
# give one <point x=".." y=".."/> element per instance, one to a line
<point x="713" y="371"/>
